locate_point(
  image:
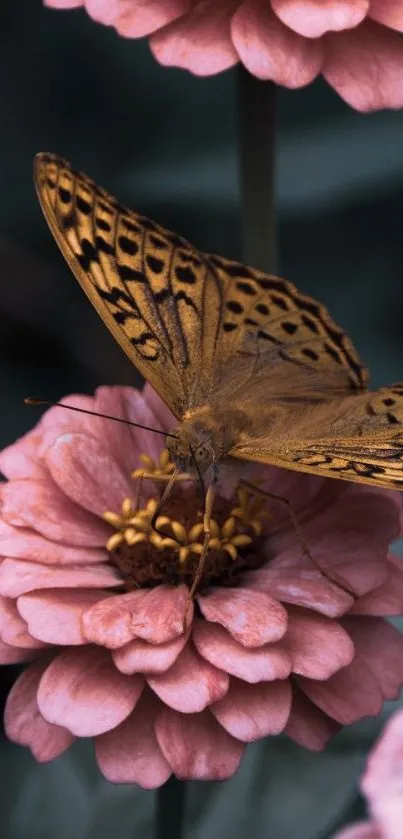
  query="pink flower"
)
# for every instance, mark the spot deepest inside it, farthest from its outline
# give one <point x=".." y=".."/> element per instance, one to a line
<point x="382" y="785"/>
<point x="355" y="44"/>
<point x="98" y="602"/>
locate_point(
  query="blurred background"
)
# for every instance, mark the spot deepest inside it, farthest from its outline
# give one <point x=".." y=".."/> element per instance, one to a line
<point x="165" y="143"/>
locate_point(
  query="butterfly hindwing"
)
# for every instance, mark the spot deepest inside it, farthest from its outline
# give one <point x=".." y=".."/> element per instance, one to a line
<point x="357" y="438"/>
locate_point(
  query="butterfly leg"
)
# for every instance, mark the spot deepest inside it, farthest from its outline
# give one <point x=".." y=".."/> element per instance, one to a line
<point x="261" y="493"/>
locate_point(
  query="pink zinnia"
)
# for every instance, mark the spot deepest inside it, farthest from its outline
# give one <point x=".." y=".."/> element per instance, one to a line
<point x="382" y="786"/>
<point x="355" y="44"/>
<point x="99" y="603"/>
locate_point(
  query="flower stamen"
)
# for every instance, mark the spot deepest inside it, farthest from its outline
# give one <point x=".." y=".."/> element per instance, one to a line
<point x="171" y="551"/>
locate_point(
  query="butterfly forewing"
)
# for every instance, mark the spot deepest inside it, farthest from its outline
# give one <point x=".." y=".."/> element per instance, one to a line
<point x="204" y="330"/>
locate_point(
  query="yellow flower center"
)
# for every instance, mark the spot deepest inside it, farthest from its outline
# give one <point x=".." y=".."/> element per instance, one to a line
<point x="170" y="551"/>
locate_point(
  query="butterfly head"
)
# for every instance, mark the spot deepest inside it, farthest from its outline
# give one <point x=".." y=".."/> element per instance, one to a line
<point x="191" y="448"/>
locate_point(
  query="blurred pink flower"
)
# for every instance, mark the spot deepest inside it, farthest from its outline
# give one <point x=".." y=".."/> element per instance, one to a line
<point x="355" y="44"/>
<point x="163" y="685"/>
<point x="382" y="785"/>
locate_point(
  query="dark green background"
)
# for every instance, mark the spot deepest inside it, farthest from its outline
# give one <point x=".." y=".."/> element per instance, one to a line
<point x="166" y="143"/>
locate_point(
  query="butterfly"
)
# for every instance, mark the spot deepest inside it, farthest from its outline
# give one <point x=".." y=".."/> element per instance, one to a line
<point x="251" y="368"/>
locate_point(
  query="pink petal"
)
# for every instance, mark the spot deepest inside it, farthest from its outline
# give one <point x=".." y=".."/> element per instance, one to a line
<point x="385" y="763"/>
<point x="82" y="691"/>
<point x="20" y="460"/>
<point x="349" y="695"/>
<point x="380" y="646"/>
<point x="163" y="416"/>
<point x="130" y="753"/>
<point x="365" y="66"/>
<point x="196" y="747"/>
<point x="252" y="665"/>
<point x="382" y="782"/>
<point x="302" y="586"/>
<point x="41" y="505"/>
<point x="198" y="41"/>
<point x="307" y="725"/>
<point x="63" y="4"/>
<point x="21" y="543"/>
<point x="388" y="12"/>
<point x="191" y="684"/>
<point x="251" y="617"/>
<point x="269" y="50"/>
<point x="110" y="621"/>
<point x="25" y="725"/>
<point x="313" y="18"/>
<point x="55" y="616"/>
<point x="360" y="830"/>
<point x="163" y="614"/>
<point x="13" y="629"/>
<point x="18" y="577"/>
<point x="124" y="442"/>
<point x="147" y="16"/>
<point x="250" y="712"/>
<point x="387" y="599"/>
<point x="103" y="11"/>
<point x="86" y="472"/>
<point x="142" y="657"/>
<point x="14" y="655"/>
<point x="318" y="647"/>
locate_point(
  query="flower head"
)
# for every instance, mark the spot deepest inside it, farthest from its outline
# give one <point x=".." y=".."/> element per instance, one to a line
<point x="382" y="786"/>
<point x="95" y="595"/>
<point x="355" y="44"/>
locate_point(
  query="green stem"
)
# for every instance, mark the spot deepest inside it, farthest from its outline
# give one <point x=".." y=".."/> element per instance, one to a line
<point x="170" y="813"/>
<point x="257" y="125"/>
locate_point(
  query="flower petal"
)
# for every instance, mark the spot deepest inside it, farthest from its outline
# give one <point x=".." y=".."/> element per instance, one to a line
<point x="163" y="614"/>
<point x="142" y="657"/>
<point x="41" y="505"/>
<point x="301" y="586"/>
<point x="196" y="746"/>
<point x="307" y="725"/>
<point x="55" y="616"/>
<point x="388" y="12"/>
<point x="21" y="543"/>
<point x="13" y="629"/>
<point x="270" y="50"/>
<point x="24" y="723"/>
<point x="313" y="18"/>
<point x="147" y="16"/>
<point x="191" y="684"/>
<point x="380" y="646"/>
<point x="86" y="472"/>
<point x="365" y="66"/>
<point x="349" y="695"/>
<point x="250" y="712"/>
<point x="198" y="41"/>
<point x="20" y="460"/>
<point x="387" y="599"/>
<point x="252" y="665"/>
<point x="18" y="577"/>
<point x="360" y="830"/>
<point x="252" y="617"/>
<point x="109" y="622"/>
<point x="126" y="443"/>
<point x="130" y="754"/>
<point x="14" y="655"/>
<point x="318" y="646"/>
<point x="82" y="691"/>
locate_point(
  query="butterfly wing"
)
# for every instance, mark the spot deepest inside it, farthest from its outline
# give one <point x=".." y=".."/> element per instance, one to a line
<point x="197" y="327"/>
<point x="357" y="438"/>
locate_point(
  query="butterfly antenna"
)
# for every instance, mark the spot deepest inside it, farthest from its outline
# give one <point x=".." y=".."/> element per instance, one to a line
<point x="30" y="400"/>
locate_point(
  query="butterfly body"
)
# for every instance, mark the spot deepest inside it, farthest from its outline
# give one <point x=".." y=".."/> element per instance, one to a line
<point x="251" y="368"/>
<point x="205" y="437"/>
